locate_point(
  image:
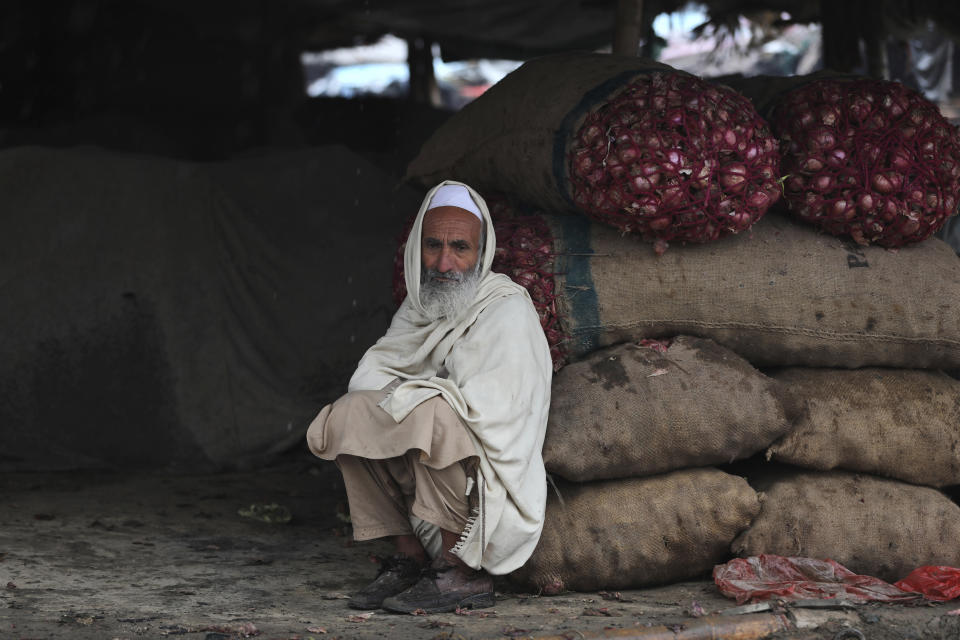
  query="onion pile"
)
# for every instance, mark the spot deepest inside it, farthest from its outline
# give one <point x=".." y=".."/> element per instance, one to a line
<point x="674" y="158"/>
<point x="524" y="254"/>
<point x="870" y="159"/>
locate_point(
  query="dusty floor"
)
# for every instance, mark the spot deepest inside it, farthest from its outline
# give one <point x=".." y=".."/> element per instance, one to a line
<point x="151" y="556"/>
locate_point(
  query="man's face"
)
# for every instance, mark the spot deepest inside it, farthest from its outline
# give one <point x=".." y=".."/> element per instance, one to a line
<point x="450" y="242"/>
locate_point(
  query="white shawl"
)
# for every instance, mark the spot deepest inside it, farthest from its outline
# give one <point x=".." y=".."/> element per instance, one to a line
<point x="496" y="376"/>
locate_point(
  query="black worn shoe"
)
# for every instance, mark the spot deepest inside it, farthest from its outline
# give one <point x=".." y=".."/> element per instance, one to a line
<point x="397" y="573"/>
<point x="444" y="589"/>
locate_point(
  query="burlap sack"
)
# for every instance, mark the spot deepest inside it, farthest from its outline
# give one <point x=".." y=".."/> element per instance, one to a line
<point x="781" y="295"/>
<point x="515" y="138"/>
<point x="884" y="528"/>
<point x="899" y="423"/>
<point x="630" y="411"/>
<point x="641" y="531"/>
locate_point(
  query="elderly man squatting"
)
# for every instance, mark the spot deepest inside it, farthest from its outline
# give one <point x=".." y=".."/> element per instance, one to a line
<point x="439" y="437"/>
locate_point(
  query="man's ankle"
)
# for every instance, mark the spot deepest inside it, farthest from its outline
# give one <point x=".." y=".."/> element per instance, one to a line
<point x="447" y="560"/>
<point x="410" y="547"/>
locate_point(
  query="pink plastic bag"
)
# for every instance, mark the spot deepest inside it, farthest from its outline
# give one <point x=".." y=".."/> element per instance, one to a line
<point x="935" y="583"/>
<point x="768" y="576"/>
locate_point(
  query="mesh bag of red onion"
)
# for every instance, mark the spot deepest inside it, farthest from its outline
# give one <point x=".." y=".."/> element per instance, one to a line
<point x="870" y="159"/>
<point x="674" y="158"/>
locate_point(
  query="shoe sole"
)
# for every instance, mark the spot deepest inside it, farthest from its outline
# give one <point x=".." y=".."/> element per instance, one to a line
<point x="364" y="603"/>
<point x="476" y="601"/>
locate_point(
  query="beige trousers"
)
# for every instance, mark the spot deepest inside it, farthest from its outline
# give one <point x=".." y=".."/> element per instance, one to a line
<point x="392" y="471"/>
<point x="383" y="494"/>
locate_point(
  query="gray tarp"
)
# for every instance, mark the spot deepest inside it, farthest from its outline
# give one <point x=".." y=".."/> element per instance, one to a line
<point x="159" y="313"/>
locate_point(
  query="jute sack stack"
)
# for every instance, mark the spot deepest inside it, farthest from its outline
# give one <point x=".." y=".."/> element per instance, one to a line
<point x="633" y="410"/>
<point x="898" y="423"/>
<point x="621" y="534"/>
<point x="782" y="295"/>
<point x="879" y="527"/>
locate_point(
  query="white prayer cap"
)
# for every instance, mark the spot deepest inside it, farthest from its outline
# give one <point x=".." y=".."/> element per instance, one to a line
<point x="455" y="195"/>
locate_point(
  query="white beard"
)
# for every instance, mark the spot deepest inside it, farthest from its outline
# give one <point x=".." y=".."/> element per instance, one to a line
<point x="447" y="299"/>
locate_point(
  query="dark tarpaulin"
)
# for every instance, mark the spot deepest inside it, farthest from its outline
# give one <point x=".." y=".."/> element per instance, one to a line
<point x="170" y="314"/>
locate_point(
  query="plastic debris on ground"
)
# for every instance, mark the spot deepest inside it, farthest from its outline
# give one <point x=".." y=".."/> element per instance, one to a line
<point x="788" y="578"/>
<point x="935" y="583"/>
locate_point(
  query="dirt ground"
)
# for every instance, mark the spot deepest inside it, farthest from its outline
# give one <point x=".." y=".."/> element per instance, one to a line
<point x="152" y="556"/>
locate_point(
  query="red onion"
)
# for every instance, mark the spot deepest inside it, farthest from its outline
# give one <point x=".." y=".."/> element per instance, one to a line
<point x="881" y="162"/>
<point x="691" y="161"/>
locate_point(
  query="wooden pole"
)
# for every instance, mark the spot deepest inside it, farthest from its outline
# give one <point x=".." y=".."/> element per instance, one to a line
<point x="875" y="49"/>
<point x="627" y="27"/>
<point x="423" y="82"/>
<point x="839" y="33"/>
<point x="649" y="36"/>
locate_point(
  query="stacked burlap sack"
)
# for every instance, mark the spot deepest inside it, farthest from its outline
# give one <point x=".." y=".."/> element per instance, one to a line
<point x="810" y="306"/>
<point x="632" y="434"/>
<point x="655" y="351"/>
<point x="876" y="162"/>
<point x="874" y="444"/>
